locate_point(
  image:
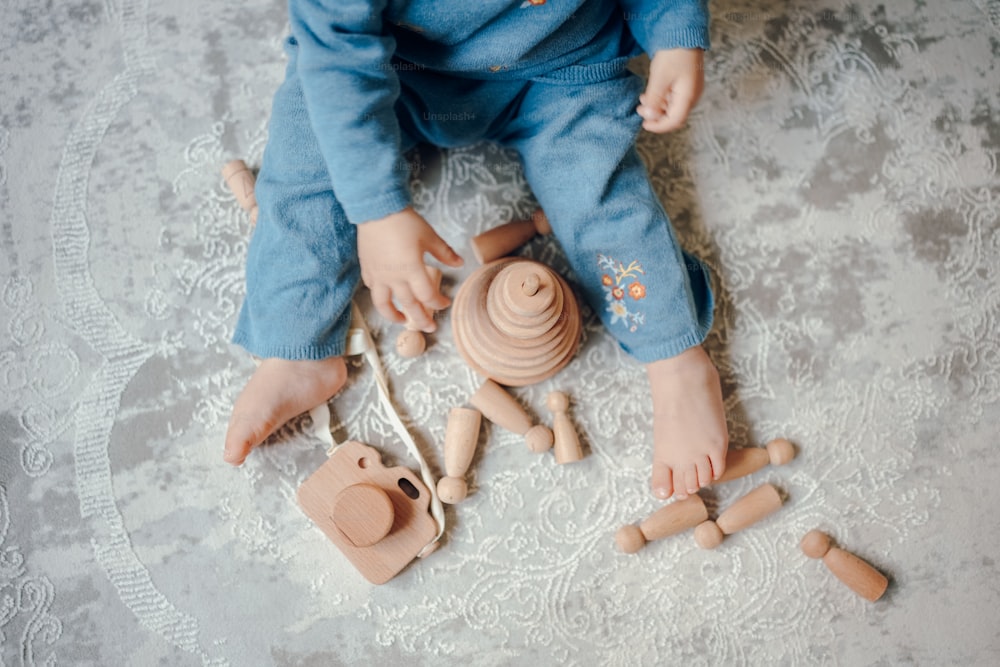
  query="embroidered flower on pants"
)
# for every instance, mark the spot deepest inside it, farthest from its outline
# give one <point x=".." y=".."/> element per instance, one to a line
<point x="620" y="281"/>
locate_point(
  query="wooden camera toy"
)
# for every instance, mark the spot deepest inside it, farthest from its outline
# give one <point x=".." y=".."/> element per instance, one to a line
<point x="377" y="516"/>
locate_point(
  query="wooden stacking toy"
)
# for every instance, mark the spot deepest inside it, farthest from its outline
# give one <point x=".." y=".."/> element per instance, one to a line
<point x="858" y="575"/>
<point x="411" y="342"/>
<point x="669" y="520"/>
<point x="499" y="241"/>
<point x="565" y="439"/>
<point x="240" y="181"/>
<point x="742" y="462"/>
<point x="503" y="409"/>
<point x="460" y="438"/>
<point x="748" y="510"/>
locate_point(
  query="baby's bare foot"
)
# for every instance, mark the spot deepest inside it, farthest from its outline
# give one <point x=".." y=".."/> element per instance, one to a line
<point x="278" y="391"/>
<point x="690" y="438"/>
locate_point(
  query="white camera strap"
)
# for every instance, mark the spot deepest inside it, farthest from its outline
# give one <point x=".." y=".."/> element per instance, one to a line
<point x="360" y="341"/>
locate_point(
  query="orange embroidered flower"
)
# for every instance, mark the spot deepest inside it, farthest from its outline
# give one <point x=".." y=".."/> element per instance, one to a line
<point x="607" y="280"/>
<point x="637" y="290"/>
<point x="618" y="293"/>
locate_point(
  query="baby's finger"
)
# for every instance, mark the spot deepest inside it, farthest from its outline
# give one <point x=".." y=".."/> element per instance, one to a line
<point x="417" y="316"/>
<point x="445" y="253"/>
<point x="428" y="291"/>
<point x="382" y="300"/>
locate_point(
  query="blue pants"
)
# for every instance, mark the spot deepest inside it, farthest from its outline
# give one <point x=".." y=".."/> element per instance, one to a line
<point x="575" y="133"/>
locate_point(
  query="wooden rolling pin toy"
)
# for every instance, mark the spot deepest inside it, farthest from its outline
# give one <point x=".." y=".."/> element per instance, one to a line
<point x="742" y="462"/>
<point x="670" y="519"/>
<point x="460" y="438"/>
<point x="567" y="442"/>
<point x="748" y="510"/>
<point x="499" y="241"/>
<point x="411" y="342"/>
<point x="859" y="576"/>
<point x="501" y="408"/>
<point x="240" y="181"/>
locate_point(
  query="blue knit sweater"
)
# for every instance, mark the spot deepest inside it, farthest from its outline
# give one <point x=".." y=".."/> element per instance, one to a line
<point x="350" y="54"/>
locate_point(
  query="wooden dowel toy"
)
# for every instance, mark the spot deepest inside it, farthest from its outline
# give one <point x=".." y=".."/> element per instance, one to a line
<point x="240" y="181"/>
<point x="670" y="519"/>
<point x="748" y="510"/>
<point x="499" y="241"/>
<point x="460" y="438"/>
<point x="859" y="576"/>
<point x="411" y="342"/>
<point x="742" y="462"/>
<point x="566" y="441"/>
<point x="503" y="409"/>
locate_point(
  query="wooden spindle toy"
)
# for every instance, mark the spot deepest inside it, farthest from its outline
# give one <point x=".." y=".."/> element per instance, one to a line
<point x="516" y="322"/>
<point x="748" y="510"/>
<point x="670" y="519"/>
<point x="499" y="241"/>
<point x="460" y="438"/>
<point x="857" y="574"/>
<point x="240" y="181"/>
<point x="566" y="441"/>
<point x="503" y="409"/>
<point x="411" y="342"/>
<point x="742" y="462"/>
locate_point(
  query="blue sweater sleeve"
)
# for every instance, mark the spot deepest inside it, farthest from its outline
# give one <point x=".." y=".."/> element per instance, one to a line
<point x="345" y="68"/>
<point x="670" y="24"/>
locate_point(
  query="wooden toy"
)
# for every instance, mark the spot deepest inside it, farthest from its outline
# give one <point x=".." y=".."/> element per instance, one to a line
<point x="499" y="241"/>
<point x="670" y="519"/>
<point x="240" y="181"/>
<point x="567" y="442"/>
<point x="460" y="438"/>
<point x="516" y="322"/>
<point x="503" y="409"/>
<point x="377" y="516"/>
<point x="859" y="576"/>
<point x="411" y="342"/>
<point x="748" y="510"/>
<point x="742" y="462"/>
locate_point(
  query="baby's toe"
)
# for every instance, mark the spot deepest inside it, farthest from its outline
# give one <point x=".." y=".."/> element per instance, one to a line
<point x="704" y="467"/>
<point x="662" y="482"/>
<point x="691" y="479"/>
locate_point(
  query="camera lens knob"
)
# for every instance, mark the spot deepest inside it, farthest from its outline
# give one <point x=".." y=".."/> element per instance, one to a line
<point x="363" y="513"/>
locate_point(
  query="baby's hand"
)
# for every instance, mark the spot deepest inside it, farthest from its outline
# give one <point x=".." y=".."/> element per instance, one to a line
<point x="676" y="79"/>
<point x="391" y="253"/>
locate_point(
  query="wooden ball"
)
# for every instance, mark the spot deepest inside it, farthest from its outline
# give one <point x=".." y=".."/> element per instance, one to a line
<point x="780" y="451"/>
<point x="557" y="401"/>
<point x="410" y="344"/>
<point x="363" y="513"/>
<point x="452" y="490"/>
<point x="539" y="438"/>
<point x="708" y="535"/>
<point x="815" y="544"/>
<point x="630" y="539"/>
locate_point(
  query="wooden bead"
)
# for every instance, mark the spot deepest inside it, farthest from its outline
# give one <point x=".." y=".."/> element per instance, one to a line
<point x="742" y="462"/>
<point x="500" y="241"/>
<point x="748" y="510"/>
<point x="460" y="438"/>
<point x="857" y="574"/>
<point x="566" y="440"/>
<point x="503" y="409"/>
<point x="670" y="519"/>
<point x="240" y="181"/>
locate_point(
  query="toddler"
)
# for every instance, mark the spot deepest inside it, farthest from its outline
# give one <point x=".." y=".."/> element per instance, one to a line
<point x="369" y="79"/>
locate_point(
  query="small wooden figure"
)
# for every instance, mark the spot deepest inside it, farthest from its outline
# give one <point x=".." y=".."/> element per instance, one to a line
<point x="748" y="510"/>
<point x="742" y="462"/>
<point x="567" y="442"/>
<point x="411" y="342"/>
<point x="501" y="408"/>
<point x="240" y="181"/>
<point x="460" y="438"/>
<point x="670" y="519"/>
<point x="499" y="241"/>
<point x="859" y="576"/>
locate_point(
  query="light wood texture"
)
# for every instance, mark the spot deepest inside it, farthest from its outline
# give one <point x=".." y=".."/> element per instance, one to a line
<point x="503" y="409"/>
<point x="340" y="499"/>
<point x="565" y="439"/>
<point x="516" y="322"/>
<point x="411" y="342"/>
<point x="503" y="240"/>
<point x="668" y="520"/>
<point x="856" y="573"/>
<point x="748" y="460"/>
<point x="748" y="510"/>
<point x="240" y="181"/>
<point x="460" y="438"/>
